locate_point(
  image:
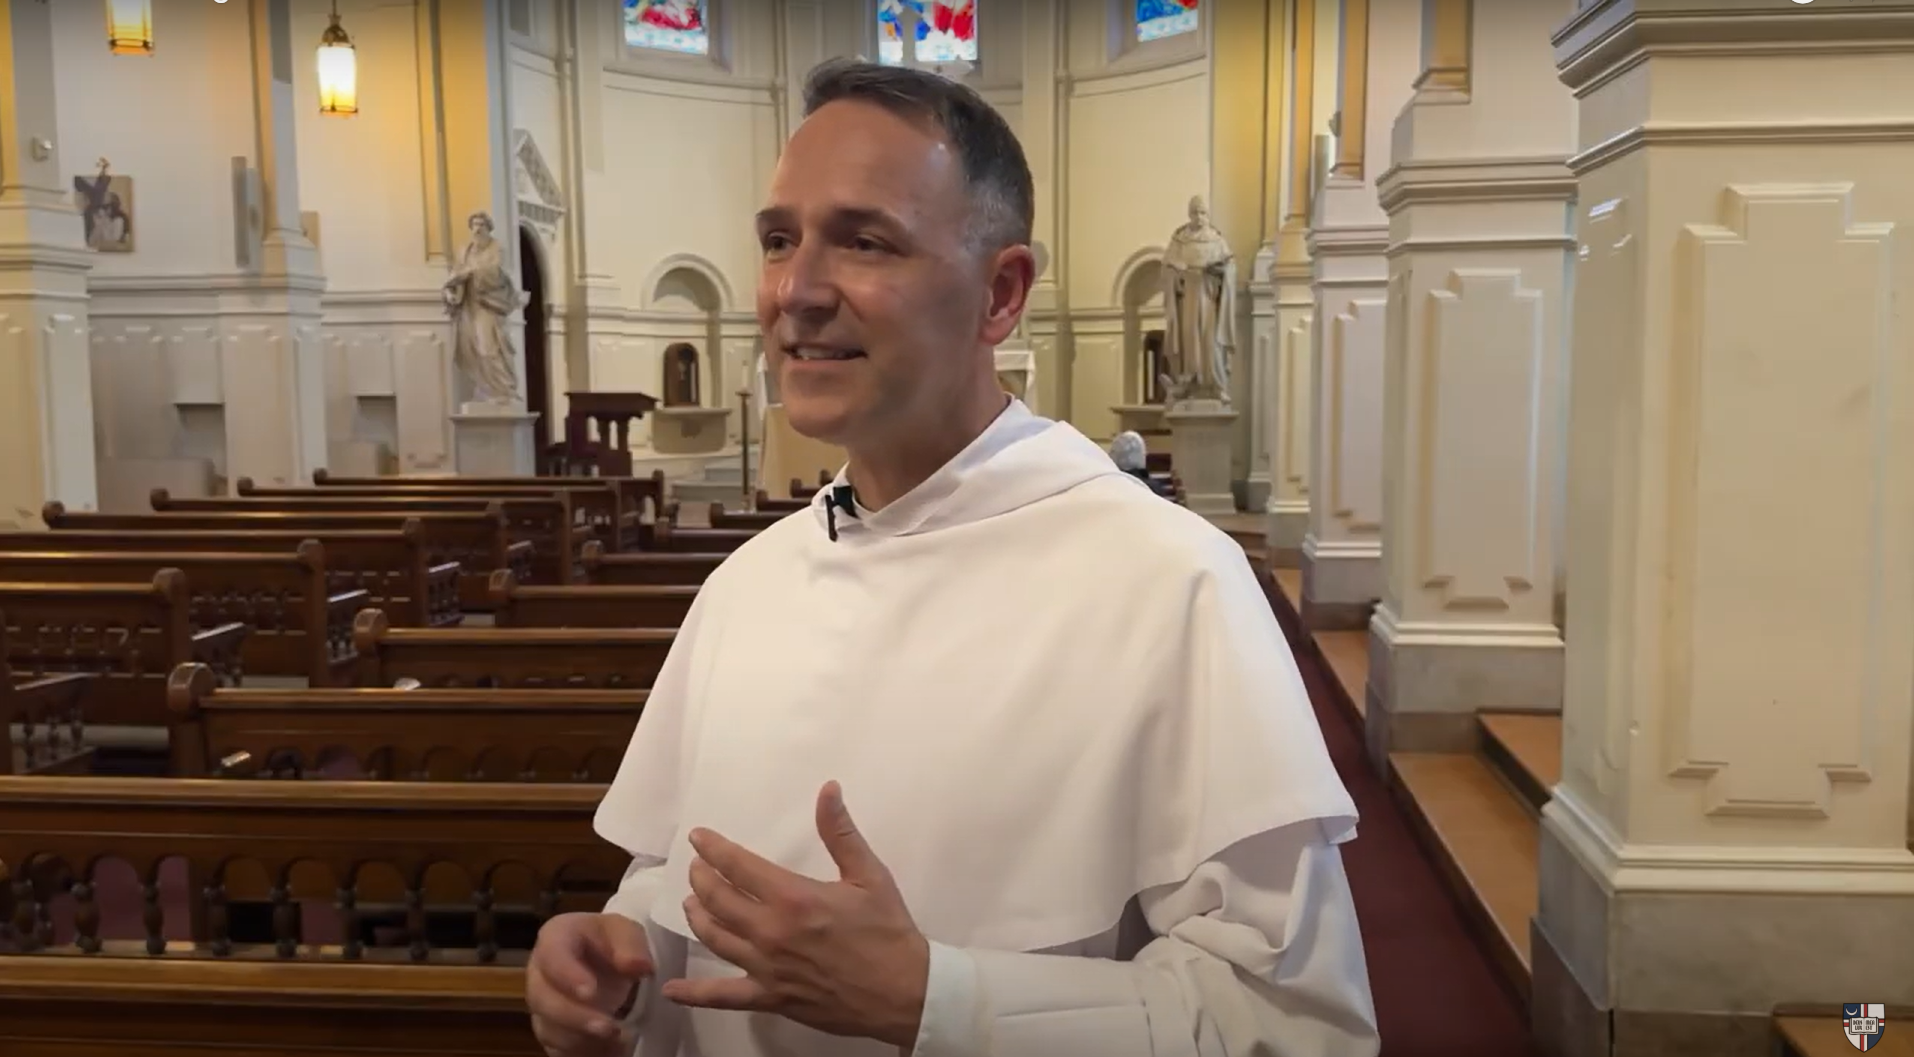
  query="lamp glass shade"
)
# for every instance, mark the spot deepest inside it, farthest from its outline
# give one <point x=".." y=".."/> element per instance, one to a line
<point x="129" y="27"/>
<point x="338" y="78"/>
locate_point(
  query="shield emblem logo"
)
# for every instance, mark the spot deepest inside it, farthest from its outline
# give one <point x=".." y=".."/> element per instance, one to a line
<point x="1863" y="1023"/>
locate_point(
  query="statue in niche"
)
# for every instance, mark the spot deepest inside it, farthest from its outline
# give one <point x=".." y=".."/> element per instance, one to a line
<point x="1199" y="305"/>
<point x="479" y="295"/>
<point x="1156" y="371"/>
<point x="681" y="376"/>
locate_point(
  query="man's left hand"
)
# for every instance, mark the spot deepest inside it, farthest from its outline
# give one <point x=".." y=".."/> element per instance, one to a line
<point x="843" y="957"/>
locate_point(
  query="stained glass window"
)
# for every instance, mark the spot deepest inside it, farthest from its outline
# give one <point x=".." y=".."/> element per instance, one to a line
<point x="946" y="30"/>
<point x="668" y="25"/>
<point x="1156" y="19"/>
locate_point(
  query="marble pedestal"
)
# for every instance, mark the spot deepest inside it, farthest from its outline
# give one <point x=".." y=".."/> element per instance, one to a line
<point x="489" y="441"/>
<point x="689" y="430"/>
<point x="1201" y="433"/>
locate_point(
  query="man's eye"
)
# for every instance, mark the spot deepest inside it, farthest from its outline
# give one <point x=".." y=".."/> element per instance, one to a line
<point x="863" y="244"/>
<point x="775" y="243"/>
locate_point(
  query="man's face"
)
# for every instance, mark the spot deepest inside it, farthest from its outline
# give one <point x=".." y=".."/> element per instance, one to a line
<point x="871" y="301"/>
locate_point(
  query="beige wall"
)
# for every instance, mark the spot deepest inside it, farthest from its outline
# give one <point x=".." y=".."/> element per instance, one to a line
<point x="661" y="160"/>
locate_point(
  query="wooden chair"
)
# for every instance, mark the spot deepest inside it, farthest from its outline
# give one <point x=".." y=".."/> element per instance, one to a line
<point x="392" y="567"/>
<point x="131" y="635"/>
<point x="385" y="734"/>
<point x="515" y="605"/>
<point x="297" y="625"/>
<point x="648" y="568"/>
<point x="545" y="658"/>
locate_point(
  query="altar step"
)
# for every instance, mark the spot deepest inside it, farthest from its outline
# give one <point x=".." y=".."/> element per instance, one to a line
<point x="720" y="481"/>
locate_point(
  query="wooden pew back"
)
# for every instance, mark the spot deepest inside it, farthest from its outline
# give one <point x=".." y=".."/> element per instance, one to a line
<point x="57" y="830"/>
<point x="671" y="539"/>
<point x="545" y="658"/>
<point x="749" y="521"/>
<point x="392" y="566"/>
<point x="643" y="495"/>
<point x="648" y="567"/>
<point x="478" y="541"/>
<point x="515" y="605"/>
<point x="543" y="519"/>
<point x="51" y="736"/>
<point x="186" y="1007"/>
<point x="596" y="505"/>
<point x="131" y="635"/>
<point x="298" y="625"/>
<point x="385" y="734"/>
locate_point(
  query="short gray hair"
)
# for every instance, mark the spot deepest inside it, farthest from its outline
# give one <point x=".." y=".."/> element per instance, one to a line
<point x="1002" y="194"/>
<point x="1129" y="452"/>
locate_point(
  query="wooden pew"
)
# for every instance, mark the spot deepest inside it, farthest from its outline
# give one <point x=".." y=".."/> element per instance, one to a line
<point x="543" y="520"/>
<point x="131" y="635"/>
<point x="297" y="624"/>
<point x="479" y="542"/>
<point x="515" y="605"/>
<point x="42" y="726"/>
<point x="511" y="735"/>
<point x="668" y="538"/>
<point x="764" y="503"/>
<point x="647" y="568"/>
<point x="597" y="506"/>
<point x="198" y="1007"/>
<point x="749" y="521"/>
<point x="579" y="658"/>
<point x="639" y="495"/>
<point x="393" y="567"/>
<point x="169" y="995"/>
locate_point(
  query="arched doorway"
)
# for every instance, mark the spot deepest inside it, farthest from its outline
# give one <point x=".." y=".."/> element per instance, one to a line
<point x="538" y="374"/>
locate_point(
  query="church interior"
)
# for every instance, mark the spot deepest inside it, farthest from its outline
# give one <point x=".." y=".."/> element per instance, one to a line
<point x="368" y="433"/>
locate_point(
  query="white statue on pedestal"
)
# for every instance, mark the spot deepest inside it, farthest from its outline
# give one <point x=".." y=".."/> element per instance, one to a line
<point x="479" y="295"/>
<point x="1199" y="305"/>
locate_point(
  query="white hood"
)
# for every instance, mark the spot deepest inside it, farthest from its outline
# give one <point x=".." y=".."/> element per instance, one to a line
<point x="1019" y="460"/>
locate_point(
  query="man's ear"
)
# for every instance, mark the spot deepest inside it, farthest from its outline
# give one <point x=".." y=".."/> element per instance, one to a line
<point x="1013" y="271"/>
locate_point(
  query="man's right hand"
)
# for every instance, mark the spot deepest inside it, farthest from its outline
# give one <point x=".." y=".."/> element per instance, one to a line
<point x="583" y="971"/>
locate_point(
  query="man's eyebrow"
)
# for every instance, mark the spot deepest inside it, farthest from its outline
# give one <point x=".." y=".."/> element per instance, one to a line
<point x="842" y="216"/>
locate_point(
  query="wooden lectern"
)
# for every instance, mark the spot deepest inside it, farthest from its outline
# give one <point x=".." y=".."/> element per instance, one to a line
<point x="609" y="455"/>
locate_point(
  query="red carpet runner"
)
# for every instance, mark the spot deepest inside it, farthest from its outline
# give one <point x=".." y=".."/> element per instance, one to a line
<point x="1436" y="993"/>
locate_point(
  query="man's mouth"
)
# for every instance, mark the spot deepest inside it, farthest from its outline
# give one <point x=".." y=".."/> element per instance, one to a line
<point x="819" y="352"/>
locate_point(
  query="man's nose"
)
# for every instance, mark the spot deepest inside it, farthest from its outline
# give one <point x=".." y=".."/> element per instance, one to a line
<point x="805" y="283"/>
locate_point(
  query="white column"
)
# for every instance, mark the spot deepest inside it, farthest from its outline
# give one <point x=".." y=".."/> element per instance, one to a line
<point x="1479" y="200"/>
<point x="1342" y="551"/>
<point x="46" y="394"/>
<point x="1287" y="304"/>
<point x="272" y="363"/>
<point x="1042" y="126"/>
<point x="1731" y="827"/>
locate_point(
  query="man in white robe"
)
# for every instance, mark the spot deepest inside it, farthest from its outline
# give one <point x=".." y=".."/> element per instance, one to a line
<point x="989" y="752"/>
